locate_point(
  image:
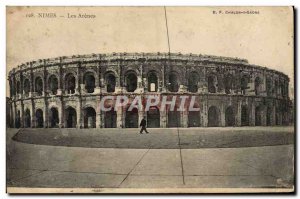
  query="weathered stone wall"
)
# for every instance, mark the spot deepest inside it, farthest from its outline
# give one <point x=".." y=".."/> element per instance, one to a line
<point x="233" y="87"/>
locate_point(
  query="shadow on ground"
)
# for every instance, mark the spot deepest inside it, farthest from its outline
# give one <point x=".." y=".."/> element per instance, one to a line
<point x="190" y="138"/>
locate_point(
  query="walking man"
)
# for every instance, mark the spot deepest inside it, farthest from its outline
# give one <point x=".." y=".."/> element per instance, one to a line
<point x="143" y="125"/>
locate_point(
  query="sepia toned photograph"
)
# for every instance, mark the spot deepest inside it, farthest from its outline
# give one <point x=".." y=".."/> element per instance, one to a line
<point x="150" y="99"/>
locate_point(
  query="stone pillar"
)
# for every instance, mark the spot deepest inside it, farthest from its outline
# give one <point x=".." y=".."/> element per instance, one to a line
<point x="238" y="118"/>
<point x="252" y="114"/>
<point x="79" y="115"/>
<point x="184" y="118"/>
<point x="98" y="115"/>
<point x="98" y="80"/>
<point x="32" y="114"/>
<point x="61" y="115"/>
<point x="273" y="115"/>
<point x="22" y="118"/>
<point x="264" y="116"/>
<point x="60" y="80"/>
<point x="222" y="115"/>
<point x="164" y="83"/>
<point x="14" y="114"/>
<point x="163" y="119"/>
<point x="204" y="113"/>
<point x="45" y="115"/>
<point x="120" y="119"/>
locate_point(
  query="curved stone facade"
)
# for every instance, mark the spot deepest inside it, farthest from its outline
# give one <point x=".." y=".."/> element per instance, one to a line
<point x="65" y="92"/>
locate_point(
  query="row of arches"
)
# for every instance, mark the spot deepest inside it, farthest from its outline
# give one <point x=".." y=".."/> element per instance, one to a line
<point x="153" y="118"/>
<point x="131" y="83"/>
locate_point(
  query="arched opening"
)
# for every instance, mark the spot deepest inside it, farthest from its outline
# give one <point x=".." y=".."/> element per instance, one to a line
<point x="229" y="116"/>
<point x="38" y="86"/>
<point x="213" y="116"/>
<point x="193" y="82"/>
<point x="54" y="118"/>
<point x="110" y="83"/>
<point x="12" y="88"/>
<point x="276" y="88"/>
<point x="277" y="116"/>
<point x="258" y="116"/>
<point x="18" y="87"/>
<point x="269" y="115"/>
<point x="27" y="119"/>
<point x="228" y="83"/>
<point x="153" y="117"/>
<point x="70" y="83"/>
<point x="110" y="119"/>
<point x="174" y="119"/>
<point x="89" y="82"/>
<point x="173" y="82"/>
<point x="26" y="87"/>
<point x="39" y="118"/>
<point x="89" y="117"/>
<point x="71" y="118"/>
<point x="152" y="82"/>
<point x="211" y="84"/>
<point x="244" y="84"/>
<point x="131" y="81"/>
<point x="194" y="119"/>
<point x="282" y="89"/>
<point x="244" y="116"/>
<point x="132" y="118"/>
<point x="53" y="84"/>
<point x="18" y="120"/>
<point x="257" y="85"/>
<point x="269" y="86"/>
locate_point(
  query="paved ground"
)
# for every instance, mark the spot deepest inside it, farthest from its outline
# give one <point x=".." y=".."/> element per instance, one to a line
<point x="31" y="165"/>
<point x="186" y="138"/>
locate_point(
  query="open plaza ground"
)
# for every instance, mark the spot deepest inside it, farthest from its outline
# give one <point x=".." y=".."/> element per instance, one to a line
<point x="243" y="157"/>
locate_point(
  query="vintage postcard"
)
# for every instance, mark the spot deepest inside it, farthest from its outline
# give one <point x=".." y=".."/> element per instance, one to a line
<point x="150" y="99"/>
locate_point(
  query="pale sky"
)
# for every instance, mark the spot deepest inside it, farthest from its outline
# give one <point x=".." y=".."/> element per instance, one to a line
<point x="264" y="39"/>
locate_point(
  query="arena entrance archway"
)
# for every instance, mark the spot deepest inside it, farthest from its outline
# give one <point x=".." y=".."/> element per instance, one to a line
<point x="269" y="115"/>
<point x="131" y="81"/>
<point x="153" y="117"/>
<point x="39" y="118"/>
<point x="53" y="84"/>
<point x="18" y="88"/>
<point x="111" y="83"/>
<point x="228" y="80"/>
<point x="213" y="116"/>
<point x="194" y="119"/>
<point x="244" y="84"/>
<point x="27" y="118"/>
<point x="26" y="87"/>
<point x="132" y="118"/>
<point x="229" y="116"/>
<point x="173" y="82"/>
<point x="18" y="120"/>
<point x="39" y="86"/>
<point x="89" y="82"/>
<point x="152" y="82"/>
<point x="258" y="116"/>
<point x="211" y="84"/>
<point x="71" y="118"/>
<point x="89" y="119"/>
<point x="257" y="85"/>
<point x="70" y="83"/>
<point x="173" y="119"/>
<point x="54" y="118"/>
<point x="193" y="82"/>
<point x="244" y="116"/>
<point x="110" y="119"/>
<point x="277" y="116"/>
